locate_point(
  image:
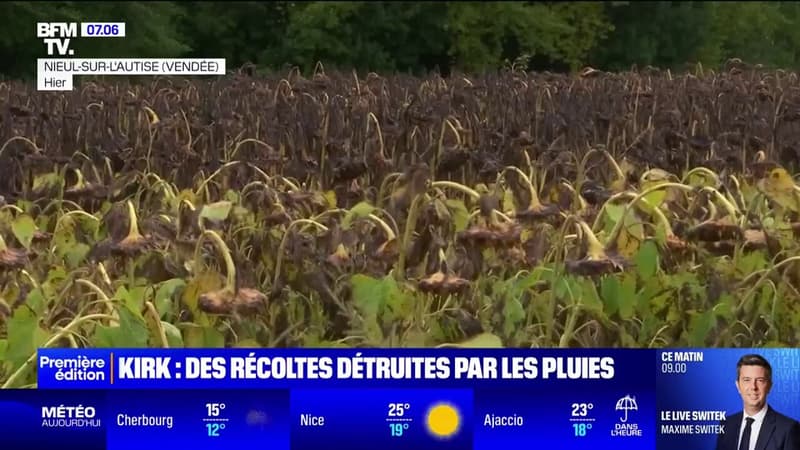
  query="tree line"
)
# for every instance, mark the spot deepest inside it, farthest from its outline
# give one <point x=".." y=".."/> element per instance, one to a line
<point x="419" y="37"/>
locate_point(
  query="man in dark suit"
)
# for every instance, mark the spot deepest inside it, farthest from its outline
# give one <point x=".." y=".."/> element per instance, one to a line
<point x="758" y="426"/>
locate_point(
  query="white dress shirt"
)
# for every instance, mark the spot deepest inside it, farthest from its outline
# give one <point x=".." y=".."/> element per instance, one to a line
<point x="754" y="429"/>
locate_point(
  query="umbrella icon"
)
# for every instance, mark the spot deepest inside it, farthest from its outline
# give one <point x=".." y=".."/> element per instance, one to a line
<point x="626" y="404"/>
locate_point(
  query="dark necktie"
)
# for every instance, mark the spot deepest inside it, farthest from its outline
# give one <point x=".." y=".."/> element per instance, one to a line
<point x="745" y="443"/>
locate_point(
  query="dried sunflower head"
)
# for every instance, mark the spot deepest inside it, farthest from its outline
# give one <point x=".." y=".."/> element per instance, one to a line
<point x="597" y="261"/>
<point x="589" y="266"/>
<point x="340" y="257"/>
<point x="13" y="258"/>
<point x="388" y="251"/>
<point x="440" y="283"/>
<point x="676" y="244"/>
<point x="132" y="245"/>
<point x="476" y="234"/>
<point x="538" y="212"/>
<point x="244" y="301"/>
<point x="715" y="230"/>
<point x="497" y="235"/>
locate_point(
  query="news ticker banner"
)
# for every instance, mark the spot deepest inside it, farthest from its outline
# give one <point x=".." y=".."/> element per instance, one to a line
<point x="56" y="74"/>
<point x="298" y="399"/>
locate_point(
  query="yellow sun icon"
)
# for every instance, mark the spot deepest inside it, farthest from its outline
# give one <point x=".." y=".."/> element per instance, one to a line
<point x="443" y="420"/>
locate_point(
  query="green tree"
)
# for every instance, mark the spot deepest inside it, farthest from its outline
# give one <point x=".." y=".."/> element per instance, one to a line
<point x="376" y="36"/>
<point x="241" y="32"/>
<point x="663" y="34"/>
<point x="486" y="34"/>
<point x="756" y="32"/>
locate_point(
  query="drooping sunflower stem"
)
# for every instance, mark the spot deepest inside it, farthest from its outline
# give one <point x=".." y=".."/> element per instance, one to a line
<point x="323" y="150"/>
<point x="327" y="213"/>
<point x="189" y="139"/>
<point x="222" y="248"/>
<point x="442" y="259"/>
<point x="730" y="208"/>
<point x="454" y="130"/>
<point x="439" y="149"/>
<point x="534" y="201"/>
<point x="609" y="158"/>
<point x="263" y="174"/>
<point x="76" y="212"/>
<point x="595" y="249"/>
<point x="208" y="179"/>
<point x="457" y="186"/>
<point x="253" y="184"/>
<point x="36" y="149"/>
<point x="387" y="219"/>
<point x="390" y="234"/>
<point x="700" y="171"/>
<point x="284" y="240"/>
<point x="411" y="223"/>
<point x="614" y="165"/>
<point x="53" y="339"/>
<point x="529" y="163"/>
<point x="740" y="197"/>
<point x="178" y="222"/>
<point x="662" y="174"/>
<point x="133" y="225"/>
<point x="575" y="195"/>
<point x="384" y="184"/>
<point x="659" y="215"/>
<point x="766" y="272"/>
<point x="100" y="294"/>
<point x="620" y="224"/>
<point x="494" y="216"/>
<point x="80" y="182"/>
<point x="151" y="309"/>
<point x="372" y="116"/>
<point x="16" y="208"/>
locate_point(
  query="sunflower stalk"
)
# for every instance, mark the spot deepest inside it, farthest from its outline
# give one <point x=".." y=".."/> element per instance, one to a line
<point x="390" y="234"/>
<point x="700" y="171"/>
<point x="620" y="223"/>
<point x="751" y="292"/>
<point x="15" y="208"/>
<point x="222" y="248"/>
<point x="178" y="222"/>
<point x="100" y="294"/>
<point x="411" y="223"/>
<point x="151" y="309"/>
<point x="55" y="338"/>
<point x="654" y="210"/>
<point x="472" y="193"/>
<point x="613" y="162"/>
<point x="133" y="225"/>
<point x="285" y="239"/>
<point x="534" y="203"/>
<point x="391" y="178"/>
<point x="595" y="250"/>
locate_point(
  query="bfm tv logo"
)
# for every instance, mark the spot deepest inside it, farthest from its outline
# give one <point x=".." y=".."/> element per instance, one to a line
<point x="57" y="36"/>
<point x="69" y="417"/>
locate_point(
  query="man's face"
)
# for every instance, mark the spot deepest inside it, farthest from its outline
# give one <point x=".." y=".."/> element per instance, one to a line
<point x="753" y="386"/>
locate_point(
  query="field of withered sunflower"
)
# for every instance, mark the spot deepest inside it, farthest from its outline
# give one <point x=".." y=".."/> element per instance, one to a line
<point x="637" y="209"/>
